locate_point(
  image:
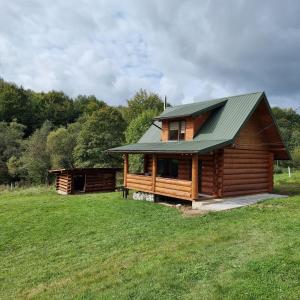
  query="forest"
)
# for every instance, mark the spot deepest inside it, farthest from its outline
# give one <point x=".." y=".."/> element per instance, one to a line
<point x="41" y="131"/>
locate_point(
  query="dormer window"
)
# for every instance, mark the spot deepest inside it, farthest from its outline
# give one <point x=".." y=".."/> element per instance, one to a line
<point x="176" y="130"/>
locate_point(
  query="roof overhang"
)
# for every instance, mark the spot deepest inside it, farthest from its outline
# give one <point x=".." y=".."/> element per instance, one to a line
<point x="59" y="171"/>
<point x="184" y="147"/>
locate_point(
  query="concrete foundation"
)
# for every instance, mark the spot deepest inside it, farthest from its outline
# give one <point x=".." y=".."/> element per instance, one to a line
<point x="232" y="202"/>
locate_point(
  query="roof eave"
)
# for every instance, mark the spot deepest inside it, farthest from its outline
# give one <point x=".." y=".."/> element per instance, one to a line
<point x="202" y="151"/>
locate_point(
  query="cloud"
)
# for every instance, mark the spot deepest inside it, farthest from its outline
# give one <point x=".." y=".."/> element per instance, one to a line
<point x="187" y="50"/>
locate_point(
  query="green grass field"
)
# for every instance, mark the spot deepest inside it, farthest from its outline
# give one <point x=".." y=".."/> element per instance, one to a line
<point x="99" y="246"/>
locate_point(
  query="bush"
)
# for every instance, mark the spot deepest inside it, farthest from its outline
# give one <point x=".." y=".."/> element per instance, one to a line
<point x="296" y="157"/>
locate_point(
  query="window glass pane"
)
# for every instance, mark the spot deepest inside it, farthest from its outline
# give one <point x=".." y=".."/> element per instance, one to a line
<point x="182" y="127"/>
<point x="174" y="125"/>
<point x="173" y="130"/>
<point x="167" y="168"/>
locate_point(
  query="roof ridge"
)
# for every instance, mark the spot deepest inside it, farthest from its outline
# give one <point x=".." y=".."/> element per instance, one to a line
<point x="215" y="99"/>
<point x="227" y="97"/>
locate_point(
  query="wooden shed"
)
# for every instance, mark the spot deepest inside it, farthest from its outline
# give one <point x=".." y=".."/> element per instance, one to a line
<point x="87" y="180"/>
<point x="218" y="148"/>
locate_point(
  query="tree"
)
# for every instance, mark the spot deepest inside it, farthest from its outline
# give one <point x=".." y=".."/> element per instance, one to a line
<point x="56" y="107"/>
<point x="296" y="157"/>
<point x="87" y="104"/>
<point x="61" y="144"/>
<point x="102" y="130"/>
<point x="140" y="102"/>
<point x="15" y="104"/>
<point x="134" y="132"/>
<point x="289" y="124"/>
<point x="35" y="161"/>
<point x="11" y="135"/>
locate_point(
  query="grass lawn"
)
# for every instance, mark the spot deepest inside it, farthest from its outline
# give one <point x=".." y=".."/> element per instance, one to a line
<point x="99" y="246"/>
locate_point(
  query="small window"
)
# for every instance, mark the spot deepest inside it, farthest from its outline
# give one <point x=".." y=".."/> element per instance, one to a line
<point x="182" y="130"/>
<point x="177" y="130"/>
<point x="173" y="131"/>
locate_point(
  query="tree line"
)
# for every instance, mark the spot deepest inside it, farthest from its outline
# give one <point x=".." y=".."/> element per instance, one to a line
<point x="42" y="131"/>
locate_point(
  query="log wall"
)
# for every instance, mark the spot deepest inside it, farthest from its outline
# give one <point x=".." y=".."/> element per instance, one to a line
<point x="207" y="174"/>
<point x="95" y="180"/>
<point x="100" y="182"/>
<point x="64" y="183"/>
<point x="247" y="172"/>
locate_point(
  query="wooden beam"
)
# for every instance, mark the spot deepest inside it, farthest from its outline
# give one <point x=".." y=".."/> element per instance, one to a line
<point x="125" y="168"/>
<point x="154" y="171"/>
<point x="195" y="177"/>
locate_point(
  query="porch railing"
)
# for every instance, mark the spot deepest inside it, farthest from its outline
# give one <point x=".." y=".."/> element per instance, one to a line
<point x="177" y="188"/>
<point x="162" y="186"/>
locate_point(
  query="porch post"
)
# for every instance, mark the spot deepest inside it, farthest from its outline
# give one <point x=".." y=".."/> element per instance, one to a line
<point x="154" y="171"/>
<point x="195" y="177"/>
<point x="125" y="168"/>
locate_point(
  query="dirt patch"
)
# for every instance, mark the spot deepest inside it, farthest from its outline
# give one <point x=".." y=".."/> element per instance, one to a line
<point x="185" y="209"/>
<point x="189" y="212"/>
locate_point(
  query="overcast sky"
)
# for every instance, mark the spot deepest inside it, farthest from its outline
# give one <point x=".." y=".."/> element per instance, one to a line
<point x="187" y="50"/>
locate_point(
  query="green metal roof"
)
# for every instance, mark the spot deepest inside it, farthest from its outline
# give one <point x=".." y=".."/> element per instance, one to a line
<point x="191" y="109"/>
<point x="172" y="147"/>
<point x="227" y="118"/>
<point x="152" y="135"/>
<point x="225" y="122"/>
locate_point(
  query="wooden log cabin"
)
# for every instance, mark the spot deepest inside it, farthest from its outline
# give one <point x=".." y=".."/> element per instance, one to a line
<point x="219" y="148"/>
<point x="87" y="180"/>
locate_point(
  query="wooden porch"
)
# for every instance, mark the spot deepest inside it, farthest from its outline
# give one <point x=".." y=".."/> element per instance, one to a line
<point x="170" y="187"/>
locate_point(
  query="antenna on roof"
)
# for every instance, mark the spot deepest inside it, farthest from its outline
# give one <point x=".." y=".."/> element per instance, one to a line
<point x="165" y="103"/>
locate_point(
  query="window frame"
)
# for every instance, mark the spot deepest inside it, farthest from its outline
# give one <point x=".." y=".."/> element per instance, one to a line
<point x="179" y="133"/>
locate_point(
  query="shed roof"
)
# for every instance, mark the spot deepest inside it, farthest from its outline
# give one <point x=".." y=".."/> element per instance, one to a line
<point x="58" y="171"/>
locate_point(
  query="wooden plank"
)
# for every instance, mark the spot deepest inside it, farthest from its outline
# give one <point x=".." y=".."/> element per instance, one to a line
<point x="245" y="176"/>
<point x="139" y="177"/>
<point x="246" y="166"/>
<point x="245" y="151"/>
<point x="173" y="187"/>
<point x="173" y="193"/>
<point x="247" y="187"/>
<point x="245" y="160"/>
<point x="245" y="181"/>
<point x="125" y="168"/>
<point x="135" y="181"/>
<point x="174" y="181"/>
<point x="174" y="196"/>
<point x="195" y="177"/>
<point x="154" y="170"/>
<point x="139" y="187"/>
<point x="245" y="171"/>
<point x="251" y="156"/>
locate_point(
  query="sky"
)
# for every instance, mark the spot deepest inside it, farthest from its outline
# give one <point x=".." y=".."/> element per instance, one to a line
<point x="187" y="50"/>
